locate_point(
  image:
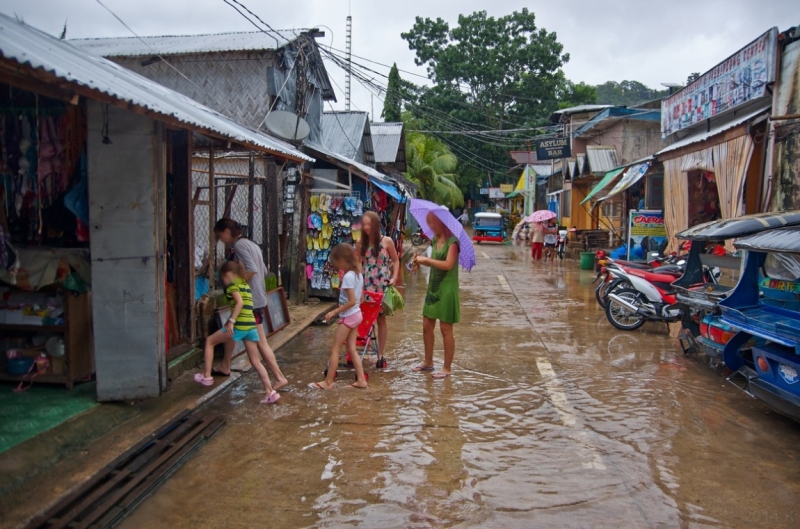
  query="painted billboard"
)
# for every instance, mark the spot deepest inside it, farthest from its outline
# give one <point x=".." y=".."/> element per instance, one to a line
<point x="739" y="79"/>
<point x="646" y="233"/>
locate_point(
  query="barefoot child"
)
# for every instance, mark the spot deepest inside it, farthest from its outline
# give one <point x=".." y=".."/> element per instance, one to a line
<point x="240" y="327"/>
<point x="344" y="258"/>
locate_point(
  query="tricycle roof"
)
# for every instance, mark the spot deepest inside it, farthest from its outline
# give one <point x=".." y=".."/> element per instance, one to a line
<point x="783" y="240"/>
<point x="720" y="230"/>
<point x="488" y="215"/>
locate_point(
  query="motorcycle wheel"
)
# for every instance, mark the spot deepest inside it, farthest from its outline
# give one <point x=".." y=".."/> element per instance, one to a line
<point x="601" y="294"/>
<point x="619" y="316"/>
<point x="416" y="239"/>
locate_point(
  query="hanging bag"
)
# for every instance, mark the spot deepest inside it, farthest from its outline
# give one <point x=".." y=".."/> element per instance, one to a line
<point x="393" y="301"/>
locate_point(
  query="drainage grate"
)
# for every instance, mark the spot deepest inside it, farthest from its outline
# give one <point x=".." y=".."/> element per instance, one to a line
<point x="114" y="492"/>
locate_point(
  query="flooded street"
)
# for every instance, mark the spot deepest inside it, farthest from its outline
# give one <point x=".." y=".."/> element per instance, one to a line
<point x="552" y="419"/>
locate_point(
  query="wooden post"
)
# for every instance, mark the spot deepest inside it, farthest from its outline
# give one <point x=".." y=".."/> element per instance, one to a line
<point x="297" y="241"/>
<point x="250" y="190"/>
<point x="212" y="213"/>
<point x="273" y="242"/>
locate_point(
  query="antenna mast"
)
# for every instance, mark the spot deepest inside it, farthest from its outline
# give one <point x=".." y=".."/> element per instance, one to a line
<point x="349" y="62"/>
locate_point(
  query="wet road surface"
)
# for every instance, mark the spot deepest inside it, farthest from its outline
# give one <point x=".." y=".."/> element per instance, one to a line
<point x="552" y="419"/>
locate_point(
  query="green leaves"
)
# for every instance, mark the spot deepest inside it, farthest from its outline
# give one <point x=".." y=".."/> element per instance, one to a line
<point x="432" y="167"/>
<point x="393" y="104"/>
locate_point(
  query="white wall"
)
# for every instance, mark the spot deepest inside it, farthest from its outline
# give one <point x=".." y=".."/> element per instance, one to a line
<point x="124" y="213"/>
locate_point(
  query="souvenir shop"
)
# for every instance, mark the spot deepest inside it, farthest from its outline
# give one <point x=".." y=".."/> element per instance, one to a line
<point x="337" y="202"/>
<point x="45" y="270"/>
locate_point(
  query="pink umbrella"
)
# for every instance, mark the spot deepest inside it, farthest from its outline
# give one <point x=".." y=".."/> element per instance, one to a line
<point x="543" y="215"/>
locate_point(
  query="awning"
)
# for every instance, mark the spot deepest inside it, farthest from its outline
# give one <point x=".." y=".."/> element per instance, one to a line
<point x="520" y="183"/>
<point x="514" y="194"/>
<point x="389" y="189"/>
<point x="631" y="176"/>
<point x="607" y="179"/>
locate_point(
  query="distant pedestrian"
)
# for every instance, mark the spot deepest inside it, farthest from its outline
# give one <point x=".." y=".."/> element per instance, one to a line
<point x="550" y="240"/>
<point x="442" y="300"/>
<point x="248" y="253"/>
<point x="464" y="218"/>
<point x="537" y="241"/>
<point x="351" y="291"/>
<point x="241" y="326"/>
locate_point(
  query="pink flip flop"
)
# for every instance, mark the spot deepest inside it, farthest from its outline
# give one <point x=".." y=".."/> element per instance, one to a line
<point x="272" y="398"/>
<point x="200" y="379"/>
<point x="440" y="376"/>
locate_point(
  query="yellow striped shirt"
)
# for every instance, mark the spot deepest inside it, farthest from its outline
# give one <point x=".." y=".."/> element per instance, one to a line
<point x="246" y="320"/>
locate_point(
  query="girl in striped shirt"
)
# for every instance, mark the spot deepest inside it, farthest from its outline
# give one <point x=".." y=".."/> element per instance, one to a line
<point x="241" y="326"/>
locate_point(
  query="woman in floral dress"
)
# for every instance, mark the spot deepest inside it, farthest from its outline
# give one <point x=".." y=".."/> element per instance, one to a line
<point x="380" y="264"/>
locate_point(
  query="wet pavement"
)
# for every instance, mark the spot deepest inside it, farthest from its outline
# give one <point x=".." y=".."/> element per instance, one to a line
<point x="552" y="419"/>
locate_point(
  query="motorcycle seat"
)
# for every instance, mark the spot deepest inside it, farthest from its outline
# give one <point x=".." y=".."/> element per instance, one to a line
<point x="654" y="277"/>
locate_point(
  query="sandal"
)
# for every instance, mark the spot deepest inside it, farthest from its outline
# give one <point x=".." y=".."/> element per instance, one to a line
<point x="217" y="373"/>
<point x="200" y="379"/>
<point x="272" y="398"/>
<point x="440" y="375"/>
<point x="420" y="368"/>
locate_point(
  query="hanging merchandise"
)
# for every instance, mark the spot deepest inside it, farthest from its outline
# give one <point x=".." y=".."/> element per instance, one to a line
<point x="333" y="220"/>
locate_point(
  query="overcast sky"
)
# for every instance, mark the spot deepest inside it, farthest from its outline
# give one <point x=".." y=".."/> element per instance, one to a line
<point x="651" y="42"/>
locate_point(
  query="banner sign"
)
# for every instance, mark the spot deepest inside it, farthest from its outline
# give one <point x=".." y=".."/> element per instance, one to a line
<point x="495" y="193"/>
<point x="553" y="149"/>
<point x="506" y="188"/>
<point x="739" y="79"/>
<point x="646" y="233"/>
<point x="484" y="191"/>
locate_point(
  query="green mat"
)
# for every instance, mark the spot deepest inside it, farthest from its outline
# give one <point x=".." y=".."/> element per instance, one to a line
<point x="27" y="414"/>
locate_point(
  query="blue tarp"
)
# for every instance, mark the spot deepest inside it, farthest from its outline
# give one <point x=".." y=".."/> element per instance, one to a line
<point x="389" y="190"/>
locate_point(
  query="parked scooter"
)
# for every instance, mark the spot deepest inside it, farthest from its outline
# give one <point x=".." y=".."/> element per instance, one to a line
<point x="418" y="238"/>
<point x="650" y="297"/>
<point x="561" y="243"/>
<point x="611" y="280"/>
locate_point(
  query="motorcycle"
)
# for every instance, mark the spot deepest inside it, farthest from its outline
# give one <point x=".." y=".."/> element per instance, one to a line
<point x="611" y="281"/>
<point x="650" y="297"/>
<point x="418" y="238"/>
<point x="561" y="244"/>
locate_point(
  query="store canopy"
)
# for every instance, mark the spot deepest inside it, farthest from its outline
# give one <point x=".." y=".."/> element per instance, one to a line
<point x="718" y="129"/>
<point x="514" y="194"/>
<point x="631" y="176"/>
<point x="72" y="68"/>
<point x="520" y="182"/>
<point x="389" y="189"/>
<point x="602" y="184"/>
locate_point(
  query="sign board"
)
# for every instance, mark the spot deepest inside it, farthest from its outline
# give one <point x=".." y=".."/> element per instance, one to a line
<point x="276" y="312"/>
<point x="739" y="79"/>
<point x="495" y="193"/>
<point x="484" y="191"/>
<point x="553" y="148"/>
<point x="646" y="233"/>
<point x="506" y="188"/>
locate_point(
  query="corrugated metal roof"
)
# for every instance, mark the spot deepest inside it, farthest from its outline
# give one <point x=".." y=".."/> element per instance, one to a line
<point x="365" y="170"/>
<point x="580" y="109"/>
<point x="26" y="45"/>
<point x="542" y="169"/>
<point x="184" y="44"/>
<point x="580" y="163"/>
<point x="696" y="138"/>
<point x="386" y="141"/>
<point x="347" y="133"/>
<point x="601" y="159"/>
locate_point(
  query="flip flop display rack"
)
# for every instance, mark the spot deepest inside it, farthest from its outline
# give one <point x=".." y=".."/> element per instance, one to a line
<point x="335" y="218"/>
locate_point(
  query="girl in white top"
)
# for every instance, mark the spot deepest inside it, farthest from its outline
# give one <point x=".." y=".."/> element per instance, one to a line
<point x="344" y="258"/>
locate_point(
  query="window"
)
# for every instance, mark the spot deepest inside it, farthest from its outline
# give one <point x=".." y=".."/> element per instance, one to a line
<point x="612" y="208"/>
<point x="654" y="194"/>
<point x="566" y="203"/>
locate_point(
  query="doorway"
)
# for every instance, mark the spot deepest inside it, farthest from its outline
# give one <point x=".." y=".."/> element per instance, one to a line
<point x="703" y="197"/>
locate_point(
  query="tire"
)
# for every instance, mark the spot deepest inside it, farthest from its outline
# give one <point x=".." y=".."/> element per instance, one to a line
<point x="602" y="293"/>
<point x="619" y="316"/>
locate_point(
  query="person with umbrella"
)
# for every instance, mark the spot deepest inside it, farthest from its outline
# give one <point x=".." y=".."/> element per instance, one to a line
<point x="537" y="219"/>
<point x="450" y="246"/>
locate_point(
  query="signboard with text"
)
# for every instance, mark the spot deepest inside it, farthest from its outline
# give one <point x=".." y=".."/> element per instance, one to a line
<point x="495" y="193"/>
<point x="506" y="188"/>
<point x="484" y="191"/>
<point x="739" y="79"/>
<point x="553" y="148"/>
<point x="646" y="233"/>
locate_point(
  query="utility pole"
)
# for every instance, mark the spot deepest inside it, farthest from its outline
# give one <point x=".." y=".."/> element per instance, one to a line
<point x="348" y="49"/>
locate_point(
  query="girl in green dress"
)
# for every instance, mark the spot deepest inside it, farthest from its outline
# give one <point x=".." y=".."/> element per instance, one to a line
<point x="441" y="300"/>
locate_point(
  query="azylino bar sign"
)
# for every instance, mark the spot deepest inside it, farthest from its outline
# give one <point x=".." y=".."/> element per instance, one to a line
<point x="553" y="149"/>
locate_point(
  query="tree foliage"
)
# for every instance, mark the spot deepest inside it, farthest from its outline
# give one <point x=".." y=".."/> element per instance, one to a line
<point x="489" y="73"/>
<point x="432" y="166"/>
<point x="393" y="104"/>
<point x="626" y="93"/>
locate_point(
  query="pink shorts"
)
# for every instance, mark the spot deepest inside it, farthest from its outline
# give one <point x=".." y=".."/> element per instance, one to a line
<point x="352" y="321"/>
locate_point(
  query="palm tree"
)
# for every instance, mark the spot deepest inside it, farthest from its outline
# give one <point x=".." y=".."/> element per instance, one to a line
<point x="432" y="167"/>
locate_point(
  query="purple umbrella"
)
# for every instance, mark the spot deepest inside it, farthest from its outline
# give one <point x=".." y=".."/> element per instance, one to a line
<point x="420" y="209"/>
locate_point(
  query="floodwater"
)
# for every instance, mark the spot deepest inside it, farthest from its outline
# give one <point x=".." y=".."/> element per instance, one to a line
<point x="552" y="419"/>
